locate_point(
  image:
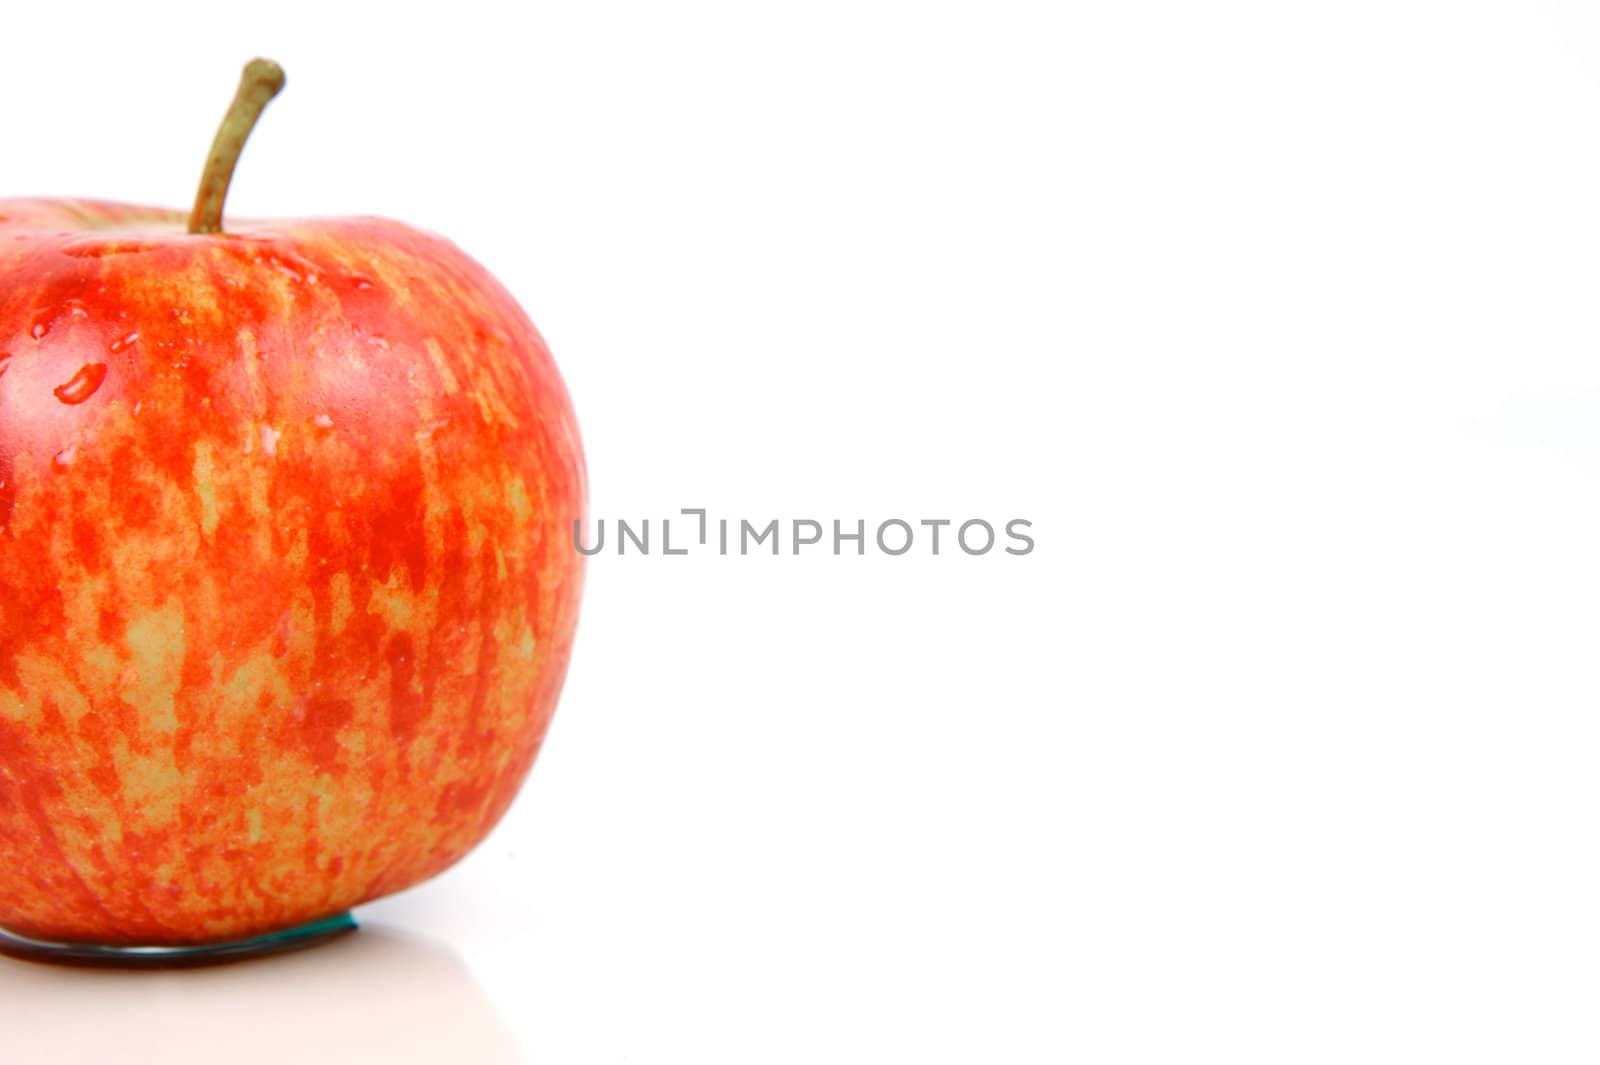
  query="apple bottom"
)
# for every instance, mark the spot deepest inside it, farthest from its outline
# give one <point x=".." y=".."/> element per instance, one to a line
<point x="182" y="957"/>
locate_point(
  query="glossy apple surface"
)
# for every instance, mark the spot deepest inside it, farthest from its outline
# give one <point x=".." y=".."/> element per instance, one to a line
<point x="287" y="587"/>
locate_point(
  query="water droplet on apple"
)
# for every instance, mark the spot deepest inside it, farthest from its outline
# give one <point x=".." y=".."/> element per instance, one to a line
<point x="432" y="427"/>
<point x="285" y="268"/>
<point x="269" y="440"/>
<point x="65" y="457"/>
<point x="122" y="342"/>
<point x="41" y="326"/>
<point x="322" y="421"/>
<point x="85" y="383"/>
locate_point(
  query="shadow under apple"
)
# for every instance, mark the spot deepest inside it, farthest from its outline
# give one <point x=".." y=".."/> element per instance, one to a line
<point x="378" y="995"/>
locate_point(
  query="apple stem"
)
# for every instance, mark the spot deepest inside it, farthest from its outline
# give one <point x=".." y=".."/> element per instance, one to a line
<point x="261" y="81"/>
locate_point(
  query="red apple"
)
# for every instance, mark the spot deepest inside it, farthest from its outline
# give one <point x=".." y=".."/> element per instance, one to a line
<point x="287" y="592"/>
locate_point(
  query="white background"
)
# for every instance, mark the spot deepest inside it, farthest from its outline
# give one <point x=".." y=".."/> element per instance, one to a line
<point x="1280" y="321"/>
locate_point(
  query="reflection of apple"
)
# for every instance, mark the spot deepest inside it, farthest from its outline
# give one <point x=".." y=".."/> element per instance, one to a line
<point x="285" y="600"/>
<point x="382" y="996"/>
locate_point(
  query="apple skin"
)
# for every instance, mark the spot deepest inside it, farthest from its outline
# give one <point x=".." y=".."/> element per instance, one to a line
<point x="287" y="589"/>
